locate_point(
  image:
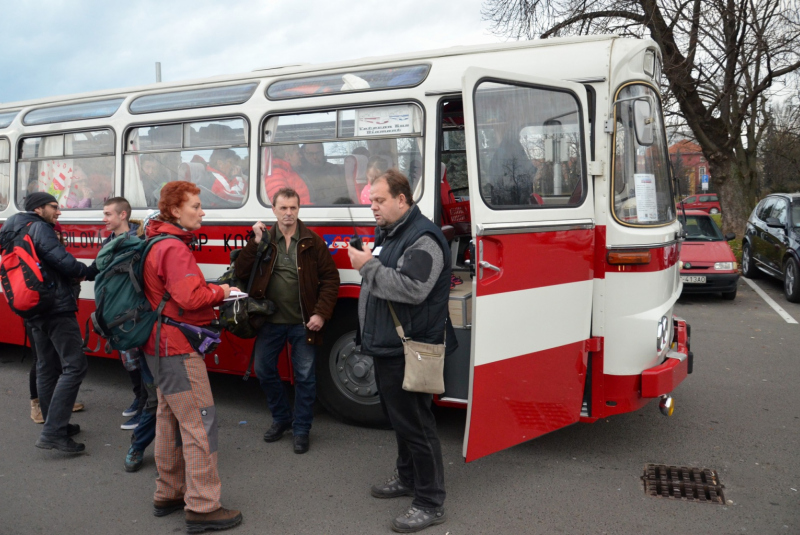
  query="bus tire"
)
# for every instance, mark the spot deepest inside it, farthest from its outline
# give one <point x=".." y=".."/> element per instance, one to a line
<point x="346" y="385"/>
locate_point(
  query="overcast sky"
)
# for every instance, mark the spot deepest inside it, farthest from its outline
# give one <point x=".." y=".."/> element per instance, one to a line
<point x="53" y="47"/>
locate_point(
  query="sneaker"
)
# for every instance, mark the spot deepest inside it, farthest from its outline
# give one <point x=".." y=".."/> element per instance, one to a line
<point x="36" y="412"/>
<point x="73" y="429"/>
<point x="133" y="423"/>
<point x="167" y="507"/>
<point x="300" y="443"/>
<point x="276" y="431"/>
<point x="134" y="460"/>
<point x="418" y="518"/>
<point x="133" y="409"/>
<point x="393" y="488"/>
<point x="214" y="521"/>
<point x="65" y="444"/>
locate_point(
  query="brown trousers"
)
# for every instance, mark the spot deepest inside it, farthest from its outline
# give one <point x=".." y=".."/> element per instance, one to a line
<point x="186" y="433"/>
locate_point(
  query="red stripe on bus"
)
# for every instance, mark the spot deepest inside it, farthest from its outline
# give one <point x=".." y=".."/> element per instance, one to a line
<point x="515" y="400"/>
<point x="539" y="259"/>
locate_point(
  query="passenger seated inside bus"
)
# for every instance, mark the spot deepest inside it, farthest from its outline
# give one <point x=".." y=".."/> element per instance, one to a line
<point x="376" y="166"/>
<point x="207" y="177"/>
<point x="228" y="182"/>
<point x="152" y="178"/>
<point x="326" y="181"/>
<point x="281" y="173"/>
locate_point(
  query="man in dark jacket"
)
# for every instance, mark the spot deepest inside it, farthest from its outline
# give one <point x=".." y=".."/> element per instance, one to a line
<point x="409" y="267"/>
<point x="300" y="277"/>
<point x="55" y="332"/>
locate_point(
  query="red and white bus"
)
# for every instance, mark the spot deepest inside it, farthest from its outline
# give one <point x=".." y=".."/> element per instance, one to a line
<point x="545" y="161"/>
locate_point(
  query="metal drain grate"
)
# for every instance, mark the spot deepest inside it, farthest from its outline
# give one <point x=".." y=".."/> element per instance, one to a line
<point x="683" y="483"/>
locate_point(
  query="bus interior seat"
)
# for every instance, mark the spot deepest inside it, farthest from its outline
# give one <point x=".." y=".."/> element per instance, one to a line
<point x="196" y="173"/>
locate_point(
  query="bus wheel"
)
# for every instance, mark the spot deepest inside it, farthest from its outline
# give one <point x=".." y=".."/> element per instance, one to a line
<point x="345" y="378"/>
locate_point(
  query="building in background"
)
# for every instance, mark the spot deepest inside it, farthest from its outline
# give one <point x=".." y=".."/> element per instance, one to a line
<point x="690" y="167"/>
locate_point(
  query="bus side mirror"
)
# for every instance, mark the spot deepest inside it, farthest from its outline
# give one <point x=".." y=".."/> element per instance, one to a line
<point x="643" y="121"/>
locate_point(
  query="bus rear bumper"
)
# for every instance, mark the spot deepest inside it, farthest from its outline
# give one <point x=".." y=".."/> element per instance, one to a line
<point x="663" y="379"/>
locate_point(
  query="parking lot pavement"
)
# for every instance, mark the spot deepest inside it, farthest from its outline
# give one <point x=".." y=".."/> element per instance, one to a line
<point x="737" y="414"/>
<point x="773" y="289"/>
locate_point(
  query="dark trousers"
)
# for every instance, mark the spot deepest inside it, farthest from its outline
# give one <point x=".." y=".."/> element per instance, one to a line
<point x="61" y="367"/>
<point x="419" y="453"/>
<point x="145" y="432"/>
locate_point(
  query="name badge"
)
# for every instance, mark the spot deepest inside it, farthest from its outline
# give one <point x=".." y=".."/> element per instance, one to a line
<point x="377" y="251"/>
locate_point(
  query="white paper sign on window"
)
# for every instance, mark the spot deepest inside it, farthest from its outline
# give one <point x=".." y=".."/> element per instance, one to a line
<point x="385" y="121"/>
<point x="646" y="202"/>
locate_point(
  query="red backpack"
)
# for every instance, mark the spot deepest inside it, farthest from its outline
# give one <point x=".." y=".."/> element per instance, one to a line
<point x="23" y="283"/>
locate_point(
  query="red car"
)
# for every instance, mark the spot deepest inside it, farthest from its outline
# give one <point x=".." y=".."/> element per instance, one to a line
<point x="707" y="202"/>
<point x="707" y="262"/>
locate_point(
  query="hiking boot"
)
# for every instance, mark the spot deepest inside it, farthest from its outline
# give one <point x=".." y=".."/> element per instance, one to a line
<point x="214" y="521"/>
<point x="418" y="518"/>
<point x="134" y="460"/>
<point x="73" y="429"/>
<point x="167" y="507"/>
<point x="393" y="488"/>
<point x="36" y="412"/>
<point x="78" y="407"/>
<point x="133" y="423"/>
<point x="132" y="410"/>
<point x="276" y="431"/>
<point x="65" y="444"/>
<point x="300" y="443"/>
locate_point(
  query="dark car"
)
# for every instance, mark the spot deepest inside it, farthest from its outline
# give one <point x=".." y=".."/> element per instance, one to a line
<point x="707" y="202"/>
<point x="707" y="262"/>
<point x="771" y="242"/>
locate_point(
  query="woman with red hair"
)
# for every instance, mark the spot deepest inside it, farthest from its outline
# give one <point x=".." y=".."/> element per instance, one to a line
<point x="186" y="422"/>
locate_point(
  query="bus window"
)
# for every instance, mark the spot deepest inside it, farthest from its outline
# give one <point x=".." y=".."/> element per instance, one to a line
<point x="642" y="192"/>
<point x="5" y="173"/>
<point x="77" y="168"/>
<point x="530" y="153"/>
<point x="212" y="154"/>
<point x="330" y="157"/>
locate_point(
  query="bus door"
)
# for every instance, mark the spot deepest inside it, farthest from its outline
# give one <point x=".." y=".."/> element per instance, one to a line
<point x="532" y="224"/>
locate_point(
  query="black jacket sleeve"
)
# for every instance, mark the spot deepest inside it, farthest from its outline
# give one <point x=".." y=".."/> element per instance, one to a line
<point x="53" y="253"/>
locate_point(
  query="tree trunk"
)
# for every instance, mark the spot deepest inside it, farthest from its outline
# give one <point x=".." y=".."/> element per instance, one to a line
<point x="737" y="185"/>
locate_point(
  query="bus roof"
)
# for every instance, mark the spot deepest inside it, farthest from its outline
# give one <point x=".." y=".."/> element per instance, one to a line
<point x="275" y="72"/>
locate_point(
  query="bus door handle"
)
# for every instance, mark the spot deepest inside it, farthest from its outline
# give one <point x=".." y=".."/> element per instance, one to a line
<point x="483" y="263"/>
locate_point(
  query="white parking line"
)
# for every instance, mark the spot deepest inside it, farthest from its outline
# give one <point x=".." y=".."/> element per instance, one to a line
<point x="775" y="306"/>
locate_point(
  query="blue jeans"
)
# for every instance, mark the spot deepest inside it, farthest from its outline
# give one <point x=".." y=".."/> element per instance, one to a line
<point x="269" y="344"/>
<point x="145" y="432"/>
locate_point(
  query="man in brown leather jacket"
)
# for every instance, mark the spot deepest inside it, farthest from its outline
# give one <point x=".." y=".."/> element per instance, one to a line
<point x="301" y="278"/>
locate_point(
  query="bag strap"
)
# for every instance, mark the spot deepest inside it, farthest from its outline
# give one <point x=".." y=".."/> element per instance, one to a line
<point x="159" y="310"/>
<point x="262" y="246"/>
<point x="399" y="327"/>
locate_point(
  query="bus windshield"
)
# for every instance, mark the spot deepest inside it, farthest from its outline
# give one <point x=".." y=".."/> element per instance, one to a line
<point x="642" y="191"/>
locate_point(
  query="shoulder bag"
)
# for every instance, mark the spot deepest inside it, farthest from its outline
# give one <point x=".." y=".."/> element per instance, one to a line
<point x="424" y="362"/>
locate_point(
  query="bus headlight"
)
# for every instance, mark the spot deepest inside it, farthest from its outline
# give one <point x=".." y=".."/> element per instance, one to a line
<point x="662" y="334"/>
<point x="726" y="266"/>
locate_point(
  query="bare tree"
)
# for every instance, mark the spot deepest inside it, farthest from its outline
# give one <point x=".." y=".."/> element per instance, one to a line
<point x="722" y="62"/>
<point x="780" y="150"/>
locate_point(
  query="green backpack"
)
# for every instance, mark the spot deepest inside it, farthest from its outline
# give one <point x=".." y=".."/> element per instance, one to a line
<point x="123" y="315"/>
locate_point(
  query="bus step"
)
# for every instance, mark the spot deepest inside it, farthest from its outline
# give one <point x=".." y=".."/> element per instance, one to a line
<point x="683" y="483"/>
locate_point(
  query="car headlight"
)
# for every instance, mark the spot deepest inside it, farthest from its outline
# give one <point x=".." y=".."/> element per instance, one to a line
<point x="726" y="266"/>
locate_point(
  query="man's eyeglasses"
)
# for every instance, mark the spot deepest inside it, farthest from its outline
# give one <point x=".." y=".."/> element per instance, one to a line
<point x="53" y="205"/>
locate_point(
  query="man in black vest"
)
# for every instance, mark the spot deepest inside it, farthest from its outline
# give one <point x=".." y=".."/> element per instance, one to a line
<point x="409" y="267"/>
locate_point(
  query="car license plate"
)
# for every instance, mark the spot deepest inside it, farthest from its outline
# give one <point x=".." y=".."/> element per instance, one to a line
<point x="693" y="279"/>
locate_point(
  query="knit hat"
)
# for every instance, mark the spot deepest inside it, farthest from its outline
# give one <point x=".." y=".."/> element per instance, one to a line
<point x="37" y="199"/>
